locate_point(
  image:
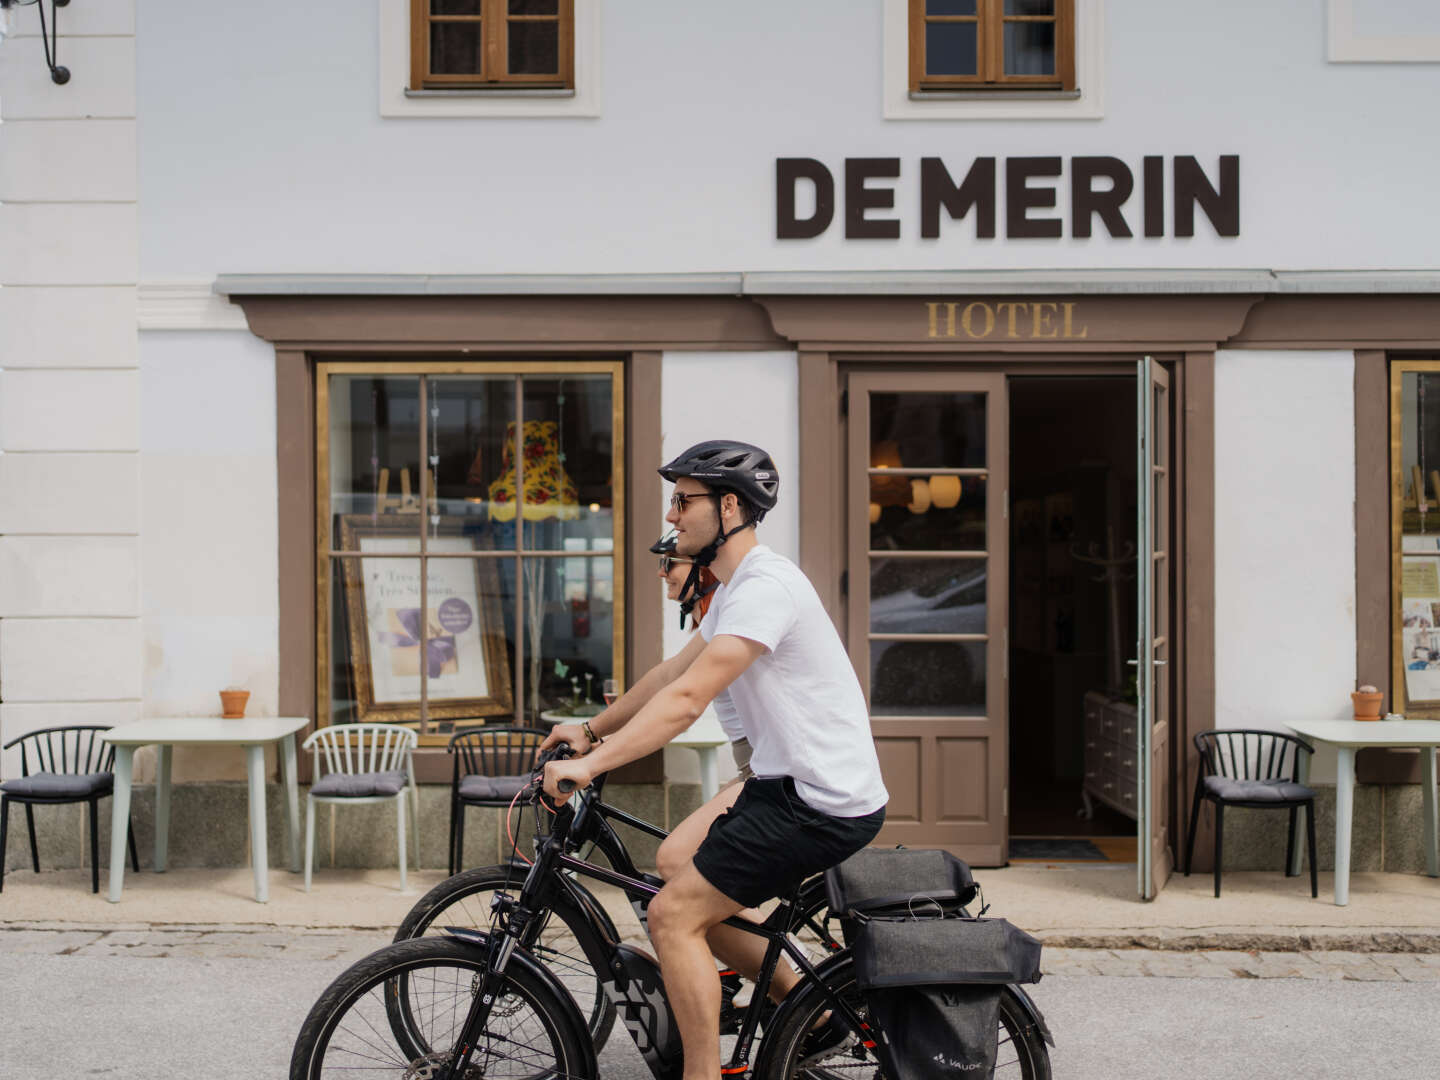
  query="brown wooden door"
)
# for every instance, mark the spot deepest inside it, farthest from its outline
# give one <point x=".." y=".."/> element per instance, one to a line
<point x="928" y="584"/>
<point x="1154" y="645"/>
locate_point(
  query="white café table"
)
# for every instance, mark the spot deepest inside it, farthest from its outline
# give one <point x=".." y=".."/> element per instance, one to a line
<point x="1347" y="736"/>
<point x="705" y="737"/>
<point x="253" y="733"/>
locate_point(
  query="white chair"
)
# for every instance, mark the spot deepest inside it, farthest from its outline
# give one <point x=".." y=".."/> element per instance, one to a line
<point x="363" y="763"/>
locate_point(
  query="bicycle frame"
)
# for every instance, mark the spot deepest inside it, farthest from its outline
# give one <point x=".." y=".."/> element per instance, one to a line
<point x="629" y="978"/>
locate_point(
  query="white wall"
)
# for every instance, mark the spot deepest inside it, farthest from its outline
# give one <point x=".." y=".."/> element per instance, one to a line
<point x="209" y="518"/>
<point x="753" y="397"/>
<point x="70" y="476"/>
<point x="1284" y="540"/>
<point x="262" y="152"/>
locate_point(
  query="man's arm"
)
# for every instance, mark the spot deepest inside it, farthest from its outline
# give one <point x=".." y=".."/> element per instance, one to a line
<point x="631" y="702"/>
<point x="671" y="709"/>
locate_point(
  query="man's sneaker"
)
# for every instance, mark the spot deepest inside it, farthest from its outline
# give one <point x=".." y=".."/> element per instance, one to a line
<point x="826" y="1040"/>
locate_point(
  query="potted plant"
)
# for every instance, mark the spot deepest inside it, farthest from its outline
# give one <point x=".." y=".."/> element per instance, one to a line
<point x="1367" y="702"/>
<point x="232" y="702"/>
<point x="577" y="708"/>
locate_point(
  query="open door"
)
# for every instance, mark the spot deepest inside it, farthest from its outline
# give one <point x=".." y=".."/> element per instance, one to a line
<point x="928" y="585"/>
<point x="1155" y="633"/>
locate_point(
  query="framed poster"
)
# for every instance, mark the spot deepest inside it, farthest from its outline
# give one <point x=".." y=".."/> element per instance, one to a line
<point x="1420" y="626"/>
<point x="461" y="647"/>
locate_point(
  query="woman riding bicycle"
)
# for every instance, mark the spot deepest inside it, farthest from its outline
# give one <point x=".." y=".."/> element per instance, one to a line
<point x="817" y="795"/>
<point x="675" y="571"/>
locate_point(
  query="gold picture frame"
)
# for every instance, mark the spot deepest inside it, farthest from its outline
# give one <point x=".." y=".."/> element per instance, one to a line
<point x="466" y="672"/>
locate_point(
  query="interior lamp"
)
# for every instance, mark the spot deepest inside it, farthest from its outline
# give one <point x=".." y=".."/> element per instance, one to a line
<point x="919" y="496"/>
<point x="945" y="491"/>
<point x="549" y="491"/>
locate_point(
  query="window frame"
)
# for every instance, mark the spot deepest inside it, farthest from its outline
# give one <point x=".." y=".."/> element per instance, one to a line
<point x="990" y="19"/>
<point x="1400" y="692"/>
<point x="328" y="560"/>
<point x="495" y="51"/>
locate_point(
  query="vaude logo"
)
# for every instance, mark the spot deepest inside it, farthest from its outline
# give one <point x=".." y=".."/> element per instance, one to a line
<point x="762" y="475"/>
<point x="944" y="1062"/>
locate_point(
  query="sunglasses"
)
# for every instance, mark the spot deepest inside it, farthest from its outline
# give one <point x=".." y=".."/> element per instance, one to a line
<point x="669" y="561"/>
<point x="682" y="499"/>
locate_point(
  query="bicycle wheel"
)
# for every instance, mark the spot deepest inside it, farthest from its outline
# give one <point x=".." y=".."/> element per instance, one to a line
<point x="356" y="1028"/>
<point x="1022" y="1052"/>
<point x="464" y="900"/>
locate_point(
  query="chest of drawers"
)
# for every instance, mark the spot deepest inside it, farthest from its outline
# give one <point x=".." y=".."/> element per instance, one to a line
<point x="1111" y="759"/>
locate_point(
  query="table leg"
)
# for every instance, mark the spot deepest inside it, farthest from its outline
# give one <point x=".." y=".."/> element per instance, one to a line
<point x="292" y="800"/>
<point x="1344" y="813"/>
<point x="1298" y="855"/>
<point x="259" y="852"/>
<point x="162" y="806"/>
<point x="119" y="818"/>
<point x="1427" y="778"/>
<point x="709" y="773"/>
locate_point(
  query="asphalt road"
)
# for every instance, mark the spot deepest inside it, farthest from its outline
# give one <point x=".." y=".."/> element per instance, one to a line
<point x="154" y="1005"/>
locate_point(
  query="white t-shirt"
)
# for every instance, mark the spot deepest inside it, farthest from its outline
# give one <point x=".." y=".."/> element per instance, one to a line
<point x="800" y="705"/>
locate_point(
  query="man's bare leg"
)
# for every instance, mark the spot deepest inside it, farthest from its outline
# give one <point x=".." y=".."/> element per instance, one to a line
<point x="680" y="916"/>
<point x="684" y="840"/>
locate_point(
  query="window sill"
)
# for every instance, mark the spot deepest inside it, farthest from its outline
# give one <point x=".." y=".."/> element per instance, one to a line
<point x="492" y="92"/>
<point x="994" y="95"/>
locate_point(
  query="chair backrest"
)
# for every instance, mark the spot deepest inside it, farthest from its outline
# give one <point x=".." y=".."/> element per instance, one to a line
<point x="1251" y="754"/>
<point x="75" y="750"/>
<point x="496" y="751"/>
<point x="362" y="748"/>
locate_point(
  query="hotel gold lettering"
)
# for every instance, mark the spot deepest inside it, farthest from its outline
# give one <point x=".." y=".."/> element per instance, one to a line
<point x="1040" y="320"/>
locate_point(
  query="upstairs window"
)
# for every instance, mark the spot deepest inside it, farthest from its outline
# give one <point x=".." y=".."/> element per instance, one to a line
<point x="992" y="45"/>
<point x="492" y="44"/>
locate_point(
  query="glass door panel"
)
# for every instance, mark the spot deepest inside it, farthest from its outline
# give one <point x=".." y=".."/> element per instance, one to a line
<point x="927" y="542"/>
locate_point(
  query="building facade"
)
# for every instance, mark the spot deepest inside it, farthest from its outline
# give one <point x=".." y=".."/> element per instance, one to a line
<point x="340" y="344"/>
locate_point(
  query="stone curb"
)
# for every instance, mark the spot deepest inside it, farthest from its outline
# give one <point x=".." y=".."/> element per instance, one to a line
<point x="1417" y="939"/>
<point x="1424" y="939"/>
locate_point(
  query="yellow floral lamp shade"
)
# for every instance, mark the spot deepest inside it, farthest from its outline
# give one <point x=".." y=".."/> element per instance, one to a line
<point x="549" y="491"/>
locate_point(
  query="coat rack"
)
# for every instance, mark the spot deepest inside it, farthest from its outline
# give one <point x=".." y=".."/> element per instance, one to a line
<point x="1110" y="564"/>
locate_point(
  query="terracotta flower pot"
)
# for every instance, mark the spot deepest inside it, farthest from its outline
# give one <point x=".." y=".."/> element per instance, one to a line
<point x="233" y="703"/>
<point x="1367" y="706"/>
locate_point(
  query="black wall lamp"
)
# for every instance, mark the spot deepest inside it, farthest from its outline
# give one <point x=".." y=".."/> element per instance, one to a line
<point x="49" y="35"/>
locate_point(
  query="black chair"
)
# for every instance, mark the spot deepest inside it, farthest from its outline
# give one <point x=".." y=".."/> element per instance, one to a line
<point x="72" y="764"/>
<point x="491" y="766"/>
<point x="1252" y="768"/>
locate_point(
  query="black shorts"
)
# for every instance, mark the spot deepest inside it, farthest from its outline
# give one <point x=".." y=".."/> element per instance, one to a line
<point x="770" y="840"/>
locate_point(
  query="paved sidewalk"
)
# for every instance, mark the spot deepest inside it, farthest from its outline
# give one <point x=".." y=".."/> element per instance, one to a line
<point x="1067" y="905"/>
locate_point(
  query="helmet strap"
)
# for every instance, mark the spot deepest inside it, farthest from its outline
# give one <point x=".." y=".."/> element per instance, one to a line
<point x="691" y="593"/>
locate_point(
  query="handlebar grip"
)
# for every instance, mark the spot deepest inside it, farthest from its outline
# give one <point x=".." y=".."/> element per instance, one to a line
<point x="566" y="786"/>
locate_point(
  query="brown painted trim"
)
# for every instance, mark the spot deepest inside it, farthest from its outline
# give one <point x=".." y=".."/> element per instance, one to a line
<point x="517" y="323"/>
<point x="1179" y="802"/>
<point x="1328" y="322"/>
<point x="1198" y="713"/>
<point x="295" y="513"/>
<point x="822" y="496"/>
<point x="1058" y="326"/>
<point x="645" y="505"/>
<point x="1372" y="560"/>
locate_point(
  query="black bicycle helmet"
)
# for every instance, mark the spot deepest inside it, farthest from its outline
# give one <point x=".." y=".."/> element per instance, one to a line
<point x="727" y="465"/>
<point x="665" y="545"/>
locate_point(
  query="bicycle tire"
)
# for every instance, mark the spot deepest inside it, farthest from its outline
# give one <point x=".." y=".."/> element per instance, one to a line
<point x="532" y="1032"/>
<point x="463" y="900"/>
<point x="1022" y="1052"/>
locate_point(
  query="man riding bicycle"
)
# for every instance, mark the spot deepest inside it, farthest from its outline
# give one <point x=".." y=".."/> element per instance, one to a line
<point x="767" y="650"/>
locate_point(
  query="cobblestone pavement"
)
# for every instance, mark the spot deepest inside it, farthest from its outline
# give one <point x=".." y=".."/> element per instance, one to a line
<point x="349" y="945"/>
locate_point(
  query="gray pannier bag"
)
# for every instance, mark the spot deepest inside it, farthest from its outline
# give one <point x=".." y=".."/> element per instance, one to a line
<point x="932" y="979"/>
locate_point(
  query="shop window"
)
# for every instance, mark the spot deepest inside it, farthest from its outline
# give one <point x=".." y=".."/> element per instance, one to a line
<point x="992" y="45"/>
<point x="470" y="517"/>
<point x="480" y="44"/>
<point x="1415" y="529"/>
